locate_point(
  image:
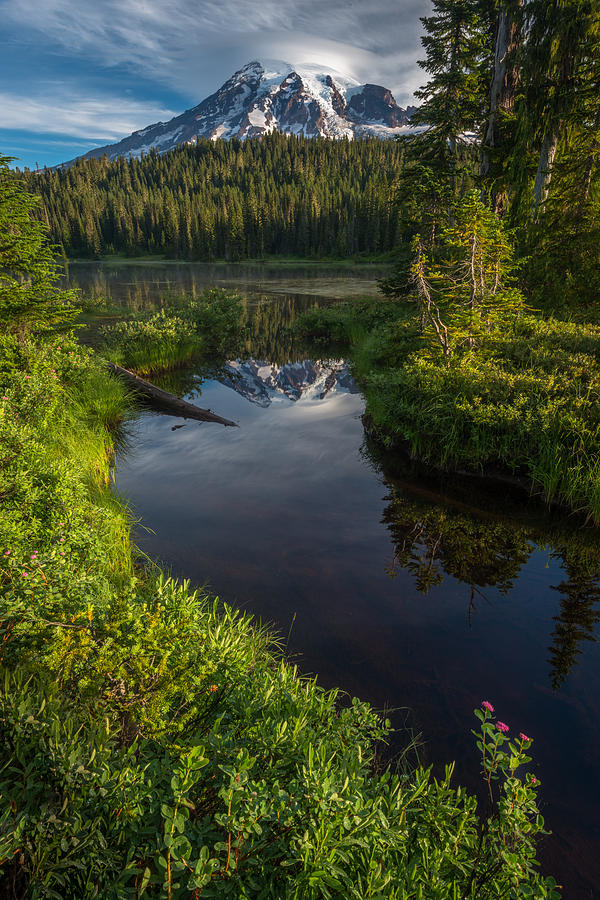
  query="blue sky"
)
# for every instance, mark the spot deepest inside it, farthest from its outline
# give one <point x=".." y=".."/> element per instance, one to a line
<point x="77" y="74"/>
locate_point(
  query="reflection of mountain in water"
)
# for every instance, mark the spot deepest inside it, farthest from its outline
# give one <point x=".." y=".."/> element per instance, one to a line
<point x="263" y="382"/>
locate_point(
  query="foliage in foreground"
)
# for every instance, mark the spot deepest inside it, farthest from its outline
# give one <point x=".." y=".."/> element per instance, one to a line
<point x="154" y="743"/>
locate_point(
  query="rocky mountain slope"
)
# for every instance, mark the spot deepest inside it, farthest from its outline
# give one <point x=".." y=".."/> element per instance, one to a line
<point x="265" y="97"/>
<point x="262" y="382"/>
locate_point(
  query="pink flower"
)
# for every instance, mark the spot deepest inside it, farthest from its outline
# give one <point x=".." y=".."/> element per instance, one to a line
<point x="33" y="556"/>
<point x="28" y="376"/>
<point x="534" y="780"/>
<point x="487" y="705"/>
<point x="25" y="574"/>
<point x="524" y="737"/>
<point x="7" y="552"/>
<point x="502" y="726"/>
<point x="62" y="552"/>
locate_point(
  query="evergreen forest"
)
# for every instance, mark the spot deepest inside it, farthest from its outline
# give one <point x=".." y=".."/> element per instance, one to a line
<point x="228" y="200"/>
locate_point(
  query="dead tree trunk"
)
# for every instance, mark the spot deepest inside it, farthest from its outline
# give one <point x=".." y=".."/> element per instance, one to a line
<point x="543" y="175"/>
<point x="165" y="402"/>
<point x="503" y="88"/>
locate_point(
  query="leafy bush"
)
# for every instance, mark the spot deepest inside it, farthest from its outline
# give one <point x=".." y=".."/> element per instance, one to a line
<point x="159" y="341"/>
<point x="281" y="803"/>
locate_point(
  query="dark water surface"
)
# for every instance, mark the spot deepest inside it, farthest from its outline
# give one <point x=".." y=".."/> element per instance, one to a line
<point x="405" y="589"/>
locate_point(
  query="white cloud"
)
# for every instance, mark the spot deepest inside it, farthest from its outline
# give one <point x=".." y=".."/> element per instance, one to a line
<point x="191" y="45"/>
<point x="94" y="119"/>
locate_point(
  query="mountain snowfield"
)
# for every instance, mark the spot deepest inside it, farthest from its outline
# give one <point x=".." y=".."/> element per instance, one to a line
<point x="262" y="382"/>
<point x="272" y="95"/>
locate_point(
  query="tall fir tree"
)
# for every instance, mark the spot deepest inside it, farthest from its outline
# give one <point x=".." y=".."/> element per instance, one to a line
<point x="456" y="45"/>
<point x="31" y="298"/>
<point x="505" y="76"/>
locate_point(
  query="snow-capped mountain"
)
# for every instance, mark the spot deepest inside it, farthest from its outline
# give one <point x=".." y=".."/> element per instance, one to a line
<point x="265" y="97"/>
<point x="262" y="382"/>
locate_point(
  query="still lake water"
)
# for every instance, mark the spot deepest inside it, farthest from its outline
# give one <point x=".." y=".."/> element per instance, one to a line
<point x="404" y="588"/>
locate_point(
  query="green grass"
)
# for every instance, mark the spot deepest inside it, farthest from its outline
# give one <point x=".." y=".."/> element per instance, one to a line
<point x="525" y="403"/>
<point x="189" y="329"/>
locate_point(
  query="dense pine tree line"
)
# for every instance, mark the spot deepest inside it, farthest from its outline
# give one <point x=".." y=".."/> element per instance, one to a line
<point x="228" y="200"/>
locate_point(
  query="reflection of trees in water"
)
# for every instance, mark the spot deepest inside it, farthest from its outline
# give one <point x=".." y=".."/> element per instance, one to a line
<point x="482" y="541"/>
<point x="269" y="328"/>
<point x="433" y="541"/>
<point x="266" y="334"/>
<point x="579" y="611"/>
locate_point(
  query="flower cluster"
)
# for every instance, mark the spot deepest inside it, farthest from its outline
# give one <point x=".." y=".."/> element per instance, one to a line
<point x="496" y="761"/>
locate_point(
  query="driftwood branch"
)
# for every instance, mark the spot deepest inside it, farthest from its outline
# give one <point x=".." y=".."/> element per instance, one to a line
<point x="165" y="402"/>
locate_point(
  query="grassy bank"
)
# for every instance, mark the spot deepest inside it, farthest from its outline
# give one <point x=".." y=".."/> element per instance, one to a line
<point x="203" y="328"/>
<point x="154" y="742"/>
<point x="524" y="403"/>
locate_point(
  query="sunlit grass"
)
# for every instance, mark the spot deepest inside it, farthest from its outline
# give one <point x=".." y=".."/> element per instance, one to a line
<point x="526" y="403"/>
<point x="165" y="340"/>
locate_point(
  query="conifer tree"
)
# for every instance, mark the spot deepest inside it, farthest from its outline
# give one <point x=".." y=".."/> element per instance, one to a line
<point x="560" y="67"/>
<point x="476" y="277"/>
<point x="505" y="76"/>
<point x="455" y="44"/>
<point x="30" y="296"/>
<point x="467" y="291"/>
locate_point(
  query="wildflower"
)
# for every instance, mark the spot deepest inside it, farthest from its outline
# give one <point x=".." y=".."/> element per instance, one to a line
<point x="534" y="780"/>
<point x="28" y="377"/>
<point x="502" y="726"/>
<point x="7" y="552"/>
<point x="33" y="556"/>
<point x="487" y="705"/>
<point x="5" y="398"/>
<point x="25" y="574"/>
<point x="213" y="688"/>
<point x="61" y="540"/>
<point x="524" y="737"/>
<point x="62" y="553"/>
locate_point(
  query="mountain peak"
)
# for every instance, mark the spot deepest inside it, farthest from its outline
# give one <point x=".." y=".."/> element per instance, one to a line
<point x="273" y="95"/>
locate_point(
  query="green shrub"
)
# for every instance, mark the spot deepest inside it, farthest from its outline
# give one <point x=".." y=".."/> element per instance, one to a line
<point x="525" y="402"/>
<point x="156" y="342"/>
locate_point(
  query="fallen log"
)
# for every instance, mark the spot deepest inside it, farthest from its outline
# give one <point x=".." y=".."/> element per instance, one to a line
<point x="165" y="402"/>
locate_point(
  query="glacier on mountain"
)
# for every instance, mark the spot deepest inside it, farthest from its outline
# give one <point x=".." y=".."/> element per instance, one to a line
<point x="272" y="95"/>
